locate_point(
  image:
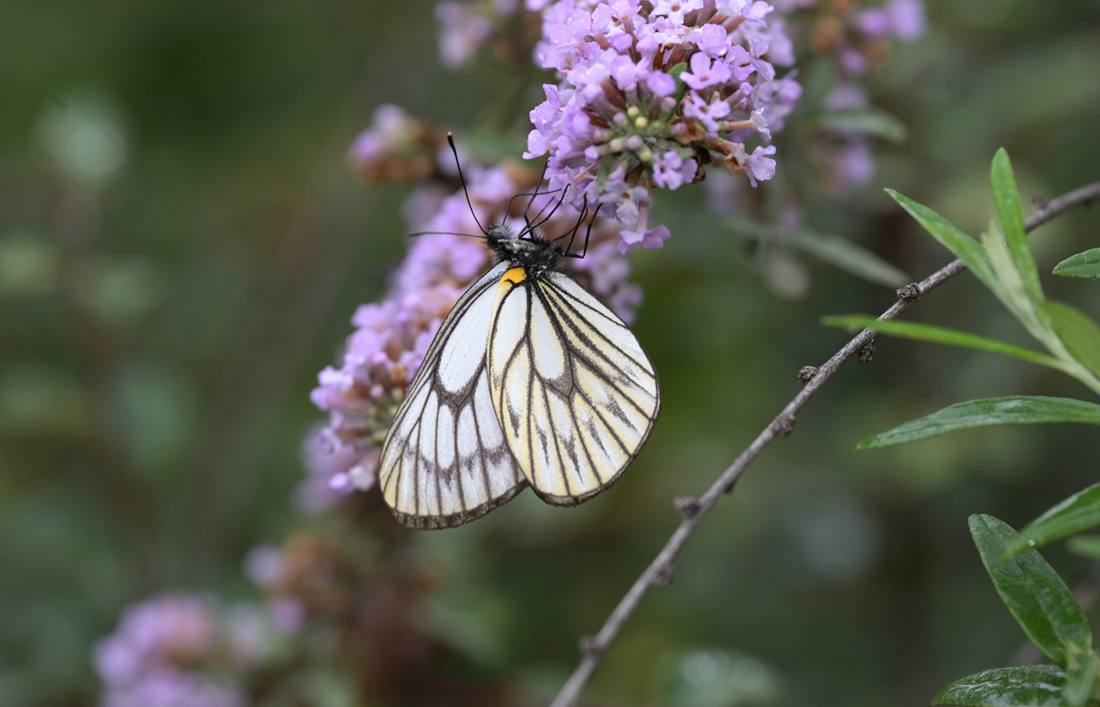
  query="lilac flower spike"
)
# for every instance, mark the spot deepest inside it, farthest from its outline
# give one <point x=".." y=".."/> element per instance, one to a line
<point x="650" y="91"/>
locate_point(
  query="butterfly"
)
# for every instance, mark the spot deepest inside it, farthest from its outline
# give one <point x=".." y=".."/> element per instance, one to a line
<point x="530" y="381"/>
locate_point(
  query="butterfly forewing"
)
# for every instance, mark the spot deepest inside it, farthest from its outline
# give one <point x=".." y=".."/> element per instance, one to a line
<point x="575" y="394"/>
<point x="445" y="460"/>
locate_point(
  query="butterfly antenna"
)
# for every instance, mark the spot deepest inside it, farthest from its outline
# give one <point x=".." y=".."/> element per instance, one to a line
<point x="445" y="233"/>
<point x="462" y="178"/>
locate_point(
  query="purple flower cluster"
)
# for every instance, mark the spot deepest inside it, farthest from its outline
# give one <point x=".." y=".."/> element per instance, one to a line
<point x="650" y="90"/>
<point x="391" y="336"/>
<point x="176" y="651"/>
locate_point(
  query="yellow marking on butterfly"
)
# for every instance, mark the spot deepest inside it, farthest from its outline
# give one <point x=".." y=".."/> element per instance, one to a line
<point x="513" y="276"/>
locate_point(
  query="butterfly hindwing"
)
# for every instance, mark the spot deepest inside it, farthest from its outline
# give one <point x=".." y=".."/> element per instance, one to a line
<point x="575" y="393"/>
<point x="445" y="460"/>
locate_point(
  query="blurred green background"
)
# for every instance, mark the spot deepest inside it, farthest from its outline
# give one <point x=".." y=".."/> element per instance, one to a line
<point x="181" y="248"/>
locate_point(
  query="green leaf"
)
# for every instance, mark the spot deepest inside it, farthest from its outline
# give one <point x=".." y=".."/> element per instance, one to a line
<point x="849" y="257"/>
<point x="1010" y="410"/>
<point x="964" y="247"/>
<point x="942" y="335"/>
<point x="1006" y="197"/>
<point x="1037" y="597"/>
<point x="841" y="253"/>
<point x="1080" y="679"/>
<point x="1031" y="685"/>
<point x="1076" y="513"/>
<point x="1078" y="332"/>
<point x="1085" y="545"/>
<point x="869" y="121"/>
<point x="1084" y="265"/>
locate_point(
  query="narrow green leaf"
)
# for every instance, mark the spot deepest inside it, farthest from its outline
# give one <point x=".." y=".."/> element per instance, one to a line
<point x="1078" y="332"/>
<point x="1085" y="545"/>
<point x="942" y="335"/>
<point x="1037" y="597"/>
<point x="1006" y="197"/>
<point x="1080" y="678"/>
<point x="1010" y="410"/>
<point x="1085" y="265"/>
<point x="963" y="246"/>
<point x="1011" y="288"/>
<point x="1076" y="513"/>
<point x="1030" y="685"/>
<point x="849" y="257"/>
<point x="869" y="121"/>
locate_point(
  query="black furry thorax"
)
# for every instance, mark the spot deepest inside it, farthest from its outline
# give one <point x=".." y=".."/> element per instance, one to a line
<point x="534" y="254"/>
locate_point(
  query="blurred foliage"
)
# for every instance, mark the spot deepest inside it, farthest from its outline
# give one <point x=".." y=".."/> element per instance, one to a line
<point x="181" y="248"/>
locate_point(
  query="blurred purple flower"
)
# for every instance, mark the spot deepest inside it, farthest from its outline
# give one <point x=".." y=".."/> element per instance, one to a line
<point x="846" y="163"/>
<point x="620" y="122"/>
<point x="395" y="147"/>
<point x="846" y="158"/>
<point x="901" y="19"/>
<point x="264" y="565"/>
<point x="166" y="651"/>
<point x="175" y="629"/>
<point x="465" y="27"/>
<point x="391" y="127"/>
<point x="166" y="687"/>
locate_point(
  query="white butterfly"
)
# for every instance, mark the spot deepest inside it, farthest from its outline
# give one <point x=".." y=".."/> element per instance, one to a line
<point x="529" y="381"/>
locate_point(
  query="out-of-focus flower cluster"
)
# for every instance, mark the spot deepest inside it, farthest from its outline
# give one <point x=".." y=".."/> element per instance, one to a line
<point x="395" y="147"/>
<point x="380" y="358"/>
<point x="465" y="28"/>
<point x="314" y="581"/>
<point x="350" y="607"/>
<point x="331" y="607"/>
<point x="649" y="92"/>
<point x="858" y="34"/>
<point x="181" y="650"/>
<point x="856" y="38"/>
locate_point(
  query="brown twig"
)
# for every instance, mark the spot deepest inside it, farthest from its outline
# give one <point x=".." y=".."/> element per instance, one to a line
<point x="658" y="571"/>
